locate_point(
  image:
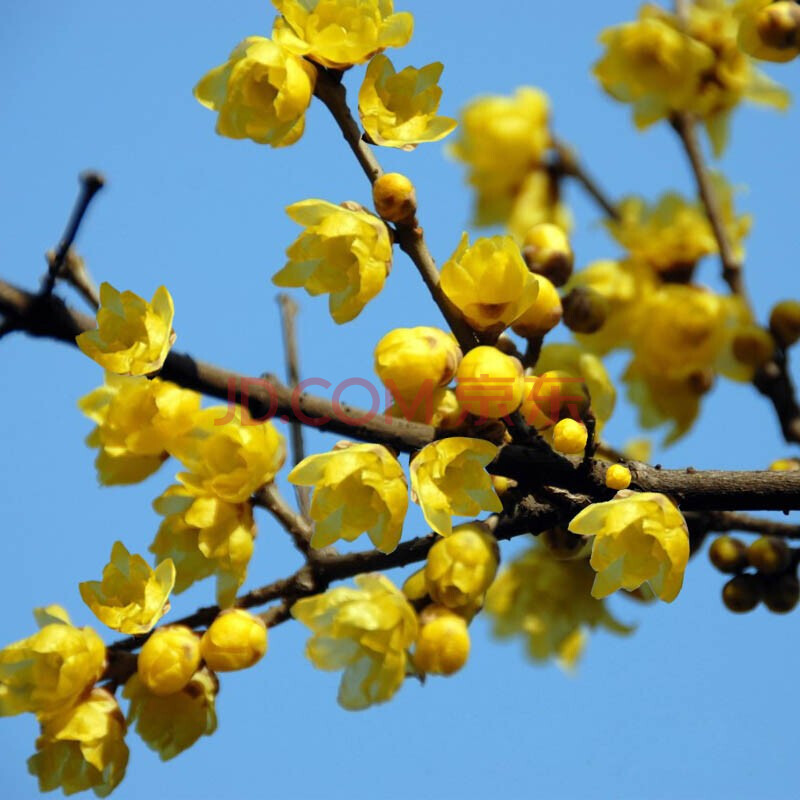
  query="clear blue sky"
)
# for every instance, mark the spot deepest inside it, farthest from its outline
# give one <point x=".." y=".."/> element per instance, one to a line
<point x="697" y="704"/>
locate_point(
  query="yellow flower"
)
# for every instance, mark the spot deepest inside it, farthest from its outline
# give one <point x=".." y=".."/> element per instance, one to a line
<point x="412" y="362"/>
<point x="261" y="93"/>
<point x="638" y="537"/>
<point x="132" y="597"/>
<point x="171" y="724"/>
<point x="674" y="234"/>
<point x="340" y="33"/>
<point x="770" y="31"/>
<point x="137" y="420"/>
<point x="205" y="536"/>
<point x="82" y="747"/>
<point x="490" y="383"/>
<point x="50" y="670"/>
<point x="168" y="659"/>
<point x="235" y="640"/>
<point x="583" y="374"/>
<point x="460" y="568"/>
<point x="359" y="488"/>
<point x="442" y="646"/>
<point x="448" y="478"/>
<point x="569" y="436"/>
<point x="489" y="282"/>
<point x="344" y="253"/>
<point x="618" y="476"/>
<point x="548" y="602"/>
<point x="366" y="631"/>
<point x="398" y="109"/>
<point x="229" y="455"/>
<point x="132" y="336"/>
<point x="502" y="140"/>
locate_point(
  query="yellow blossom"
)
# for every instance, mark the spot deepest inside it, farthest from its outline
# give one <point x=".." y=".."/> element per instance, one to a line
<point x="490" y="383"/>
<point x="502" y="140"/>
<point x="235" y="640"/>
<point x="448" y="478"/>
<point x="461" y="567"/>
<point x="82" y="747"/>
<point x="618" y="476"/>
<point x="769" y="30"/>
<point x="340" y="33"/>
<point x="342" y="252"/>
<point x="359" y="488"/>
<point x="131" y="597"/>
<point x="412" y="362"/>
<point x="132" y="336"/>
<point x="137" y="421"/>
<point x="548" y="602"/>
<point x="228" y="454"/>
<point x="50" y="670"/>
<point x="170" y="724"/>
<point x="205" y="536"/>
<point x="398" y="109"/>
<point x="168" y="659"/>
<point x="442" y="645"/>
<point x="366" y="631"/>
<point x="261" y="93"/>
<point x="638" y="537"/>
<point x="569" y="436"/>
<point x="489" y="282"/>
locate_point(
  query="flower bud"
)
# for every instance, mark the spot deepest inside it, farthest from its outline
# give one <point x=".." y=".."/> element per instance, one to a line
<point x="742" y="593"/>
<point x="781" y="593"/>
<point x="542" y="315"/>
<point x="461" y="567"/>
<point x="784" y="322"/>
<point x="395" y="198"/>
<point x="585" y="310"/>
<point x="556" y="393"/>
<point x="728" y="554"/>
<point x="168" y="659"/>
<point x="753" y="346"/>
<point x="769" y="555"/>
<point x="547" y="252"/>
<point x="503" y="485"/>
<point x="570" y="436"/>
<point x="564" y="545"/>
<point x="618" y="476"/>
<point x="778" y="25"/>
<point x="442" y="643"/>
<point x="785" y="465"/>
<point x="490" y="383"/>
<point x="236" y="639"/>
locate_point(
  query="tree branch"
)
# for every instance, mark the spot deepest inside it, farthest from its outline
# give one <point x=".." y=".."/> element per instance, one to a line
<point x="296" y="525"/>
<point x="568" y="165"/>
<point x="774" y="382"/>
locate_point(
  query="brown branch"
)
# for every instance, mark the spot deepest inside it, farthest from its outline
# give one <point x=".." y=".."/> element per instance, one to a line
<point x="289" y="311"/>
<point x="409" y="237"/>
<point x="90" y="184"/>
<point x="686" y="128"/>
<point x="567" y="164"/>
<point x="75" y="273"/>
<point x="774" y="381"/>
<point x="296" y="525"/>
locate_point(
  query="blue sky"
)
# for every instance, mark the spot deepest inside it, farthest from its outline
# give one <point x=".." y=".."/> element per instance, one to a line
<point x="696" y="704"/>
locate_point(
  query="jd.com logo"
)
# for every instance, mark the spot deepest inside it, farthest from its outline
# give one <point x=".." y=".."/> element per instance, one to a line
<point x="552" y="397"/>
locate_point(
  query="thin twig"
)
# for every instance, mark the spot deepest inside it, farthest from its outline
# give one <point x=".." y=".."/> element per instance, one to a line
<point x="91" y="183"/>
<point x="774" y="381"/>
<point x="296" y="525"/>
<point x="289" y="311"/>
<point x="409" y="237"/>
<point x="75" y="273"/>
<point x="567" y="164"/>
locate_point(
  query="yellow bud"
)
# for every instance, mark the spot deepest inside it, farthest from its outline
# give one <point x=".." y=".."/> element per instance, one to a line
<point x="570" y="436"/>
<point x="415" y="587"/>
<point x="753" y="346"/>
<point x="395" y="197"/>
<point x="502" y="485"/>
<point x="778" y="25"/>
<point x="769" y="555"/>
<point x="236" y="639"/>
<point x="728" y="554"/>
<point x="557" y="393"/>
<point x="547" y="252"/>
<point x="742" y="593"/>
<point x="542" y="315"/>
<point x="585" y="310"/>
<point x="784" y="322"/>
<point x="490" y="383"/>
<point x="785" y="465"/>
<point x="168" y="659"/>
<point x="442" y="643"/>
<point x="618" y="477"/>
<point x="461" y="567"/>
